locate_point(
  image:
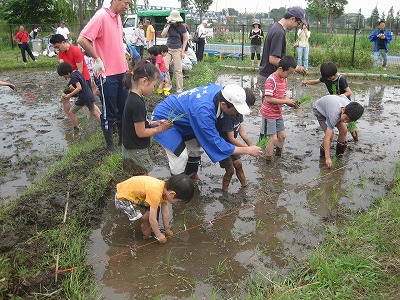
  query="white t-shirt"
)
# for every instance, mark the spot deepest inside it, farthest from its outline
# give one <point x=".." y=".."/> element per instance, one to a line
<point x="64" y="31"/>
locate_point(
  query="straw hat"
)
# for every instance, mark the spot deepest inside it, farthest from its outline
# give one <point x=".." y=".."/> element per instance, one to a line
<point x="255" y="21"/>
<point x="174" y="16"/>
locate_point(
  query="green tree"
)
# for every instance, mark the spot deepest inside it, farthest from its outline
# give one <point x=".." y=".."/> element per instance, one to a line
<point x="374" y="19"/>
<point x="277" y="13"/>
<point x="28" y="11"/>
<point x="200" y="6"/>
<point x="317" y="10"/>
<point x="332" y="9"/>
<point x="390" y="18"/>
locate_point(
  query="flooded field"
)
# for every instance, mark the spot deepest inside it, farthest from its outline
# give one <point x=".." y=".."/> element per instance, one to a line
<point x="222" y="238"/>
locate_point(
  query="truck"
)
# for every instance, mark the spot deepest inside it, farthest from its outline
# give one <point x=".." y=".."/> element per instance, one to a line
<point x="157" y="19"/>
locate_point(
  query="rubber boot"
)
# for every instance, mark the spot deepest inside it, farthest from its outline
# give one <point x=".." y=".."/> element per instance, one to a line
<point x="108" y="136"/>
<point x="159" y="92"/>
<point x="226" y="180"/>
<point x="278" y="151"/>
<point x="119" y="129"/>
<point x="192" y="166"/>
<point x="166" y="91"/>
<point x="240" y="173"/>
<point x="340" y="147"/>
<point x="321" y="151"/>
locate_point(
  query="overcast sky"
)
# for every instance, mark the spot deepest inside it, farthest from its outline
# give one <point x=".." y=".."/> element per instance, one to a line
<point x="264" y="6"/>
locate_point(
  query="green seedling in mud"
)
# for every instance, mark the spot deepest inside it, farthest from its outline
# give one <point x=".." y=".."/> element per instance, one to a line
<point x="263" y="142"/>
<point x="220" y="267"/>
<point x="352" y="126"/>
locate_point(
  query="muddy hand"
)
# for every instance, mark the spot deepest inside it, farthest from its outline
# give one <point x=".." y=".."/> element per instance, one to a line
<point x="328" y="163"/>
<point x="162" y="239"/>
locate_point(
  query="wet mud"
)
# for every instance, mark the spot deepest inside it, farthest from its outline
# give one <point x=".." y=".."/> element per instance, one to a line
<point x="264" y="228"/>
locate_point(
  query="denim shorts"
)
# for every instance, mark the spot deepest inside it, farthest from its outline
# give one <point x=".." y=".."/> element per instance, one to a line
<point x="273" y="126"/>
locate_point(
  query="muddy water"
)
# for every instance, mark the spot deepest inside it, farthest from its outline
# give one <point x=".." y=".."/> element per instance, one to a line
<point x="33" y="129"/>
<point x="264" y="228"/>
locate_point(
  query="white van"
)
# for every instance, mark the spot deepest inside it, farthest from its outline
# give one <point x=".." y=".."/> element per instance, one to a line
<point x="157" y="19"/>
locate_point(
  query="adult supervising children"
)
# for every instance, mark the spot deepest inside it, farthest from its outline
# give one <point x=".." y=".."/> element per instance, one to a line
<point x="194" y="114"/>
<point x="22" y="38"/>
<point x="334" y="111"/>
<point x="102" y="40"/>
<point x="177" y="38"/>
<point x="256" y="35"/>
<point x="202" y="33"/>
<point x="275" y="43"/>
<point x="381" y="39"/>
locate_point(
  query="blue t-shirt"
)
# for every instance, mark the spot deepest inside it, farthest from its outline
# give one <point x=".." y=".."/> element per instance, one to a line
<point x="85" y="96"/>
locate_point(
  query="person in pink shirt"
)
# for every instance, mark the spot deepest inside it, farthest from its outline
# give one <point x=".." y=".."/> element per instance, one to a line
<point x="271" y="108"/>
<point x="158" y="53"/>
<point x="102" y="40"/>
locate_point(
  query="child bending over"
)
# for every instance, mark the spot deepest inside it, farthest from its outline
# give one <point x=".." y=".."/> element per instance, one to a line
<point x="229" y="127"/>
<point x="77" y="85"/>
<point x="334" y="111"/>
<point x="271" y="110"/>
<point x="141" y="197"/>
<point x="336" y="85"/>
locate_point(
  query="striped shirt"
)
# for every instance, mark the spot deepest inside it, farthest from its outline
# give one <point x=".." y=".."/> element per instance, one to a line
<point x="277" y="88"/>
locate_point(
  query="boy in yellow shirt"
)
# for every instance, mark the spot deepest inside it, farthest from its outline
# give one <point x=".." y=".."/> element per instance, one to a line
<point x="141" y="196"/>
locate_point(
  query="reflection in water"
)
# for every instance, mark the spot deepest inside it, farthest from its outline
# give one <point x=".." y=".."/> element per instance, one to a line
<point x="375" y="103"/>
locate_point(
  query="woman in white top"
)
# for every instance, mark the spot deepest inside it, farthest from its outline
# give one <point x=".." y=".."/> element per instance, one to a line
<point x="141" y="40"/>
<point x="303" y="35"/>
<point x="202" y="32"/>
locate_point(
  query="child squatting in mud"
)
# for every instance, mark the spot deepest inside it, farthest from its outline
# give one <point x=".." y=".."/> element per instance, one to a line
<point x="142" y="196"/>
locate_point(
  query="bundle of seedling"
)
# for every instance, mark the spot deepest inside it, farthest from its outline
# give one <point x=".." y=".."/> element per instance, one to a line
<point x="262" y="143"/>
<point x="352" y="128"/>
<point x="173" y="118"/>
<point x="304" y="99"/>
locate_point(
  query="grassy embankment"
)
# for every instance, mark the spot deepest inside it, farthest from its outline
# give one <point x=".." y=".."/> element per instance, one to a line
<point x="32" y="231"/>
<point x="358" y="261"/>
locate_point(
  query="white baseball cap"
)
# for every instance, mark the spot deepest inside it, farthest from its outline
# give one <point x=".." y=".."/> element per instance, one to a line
<point x="236" y="95"/>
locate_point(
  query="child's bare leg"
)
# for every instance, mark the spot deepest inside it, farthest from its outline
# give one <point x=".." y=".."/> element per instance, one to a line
<point x="96" y="113"/>
<point x="145" y="226"/>
<point x="226" y="180"/>
<point x="66" y="106"/>
<point x="270" y="146"/>
<point x="239" y="172"/>
<point x="74" y="119"/>
<point x="280" y="142"/>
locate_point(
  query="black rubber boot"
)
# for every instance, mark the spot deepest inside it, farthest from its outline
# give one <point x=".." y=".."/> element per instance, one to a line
<point x="108" y="136"/>
<point x="321" y="151"/>
<point x="119" y="129"/>
<point x="340" y="147"/>
<point x="192" y="166"/>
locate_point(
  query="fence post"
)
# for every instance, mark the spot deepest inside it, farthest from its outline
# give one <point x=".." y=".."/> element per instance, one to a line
<point x="354" y="46"/>
<point x="11" y="37"/>
<point x="242" y="41"/>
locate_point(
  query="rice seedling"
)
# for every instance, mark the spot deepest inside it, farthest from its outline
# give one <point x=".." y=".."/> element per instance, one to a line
<point x="176" y="118"/>
<point x="304" y="98"/>
<point x="263" y="141"/>
<point x="352" y="126"/>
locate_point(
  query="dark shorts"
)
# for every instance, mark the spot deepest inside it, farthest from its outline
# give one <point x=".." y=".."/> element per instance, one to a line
<point x="227" y="162"/>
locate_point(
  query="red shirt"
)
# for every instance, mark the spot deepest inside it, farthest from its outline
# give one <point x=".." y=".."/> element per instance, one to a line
<point x="277" y="88"/>
<point x="22" y="36"/>
<point x="73" y="56"/>
<point x="161" y="63"/>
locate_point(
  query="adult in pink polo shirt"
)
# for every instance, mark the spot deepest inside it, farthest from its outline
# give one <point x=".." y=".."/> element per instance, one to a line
<point x="102" y="40"/>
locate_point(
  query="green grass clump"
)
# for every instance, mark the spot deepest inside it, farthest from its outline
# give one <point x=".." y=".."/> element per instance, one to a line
<point x="304" y="99"/>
